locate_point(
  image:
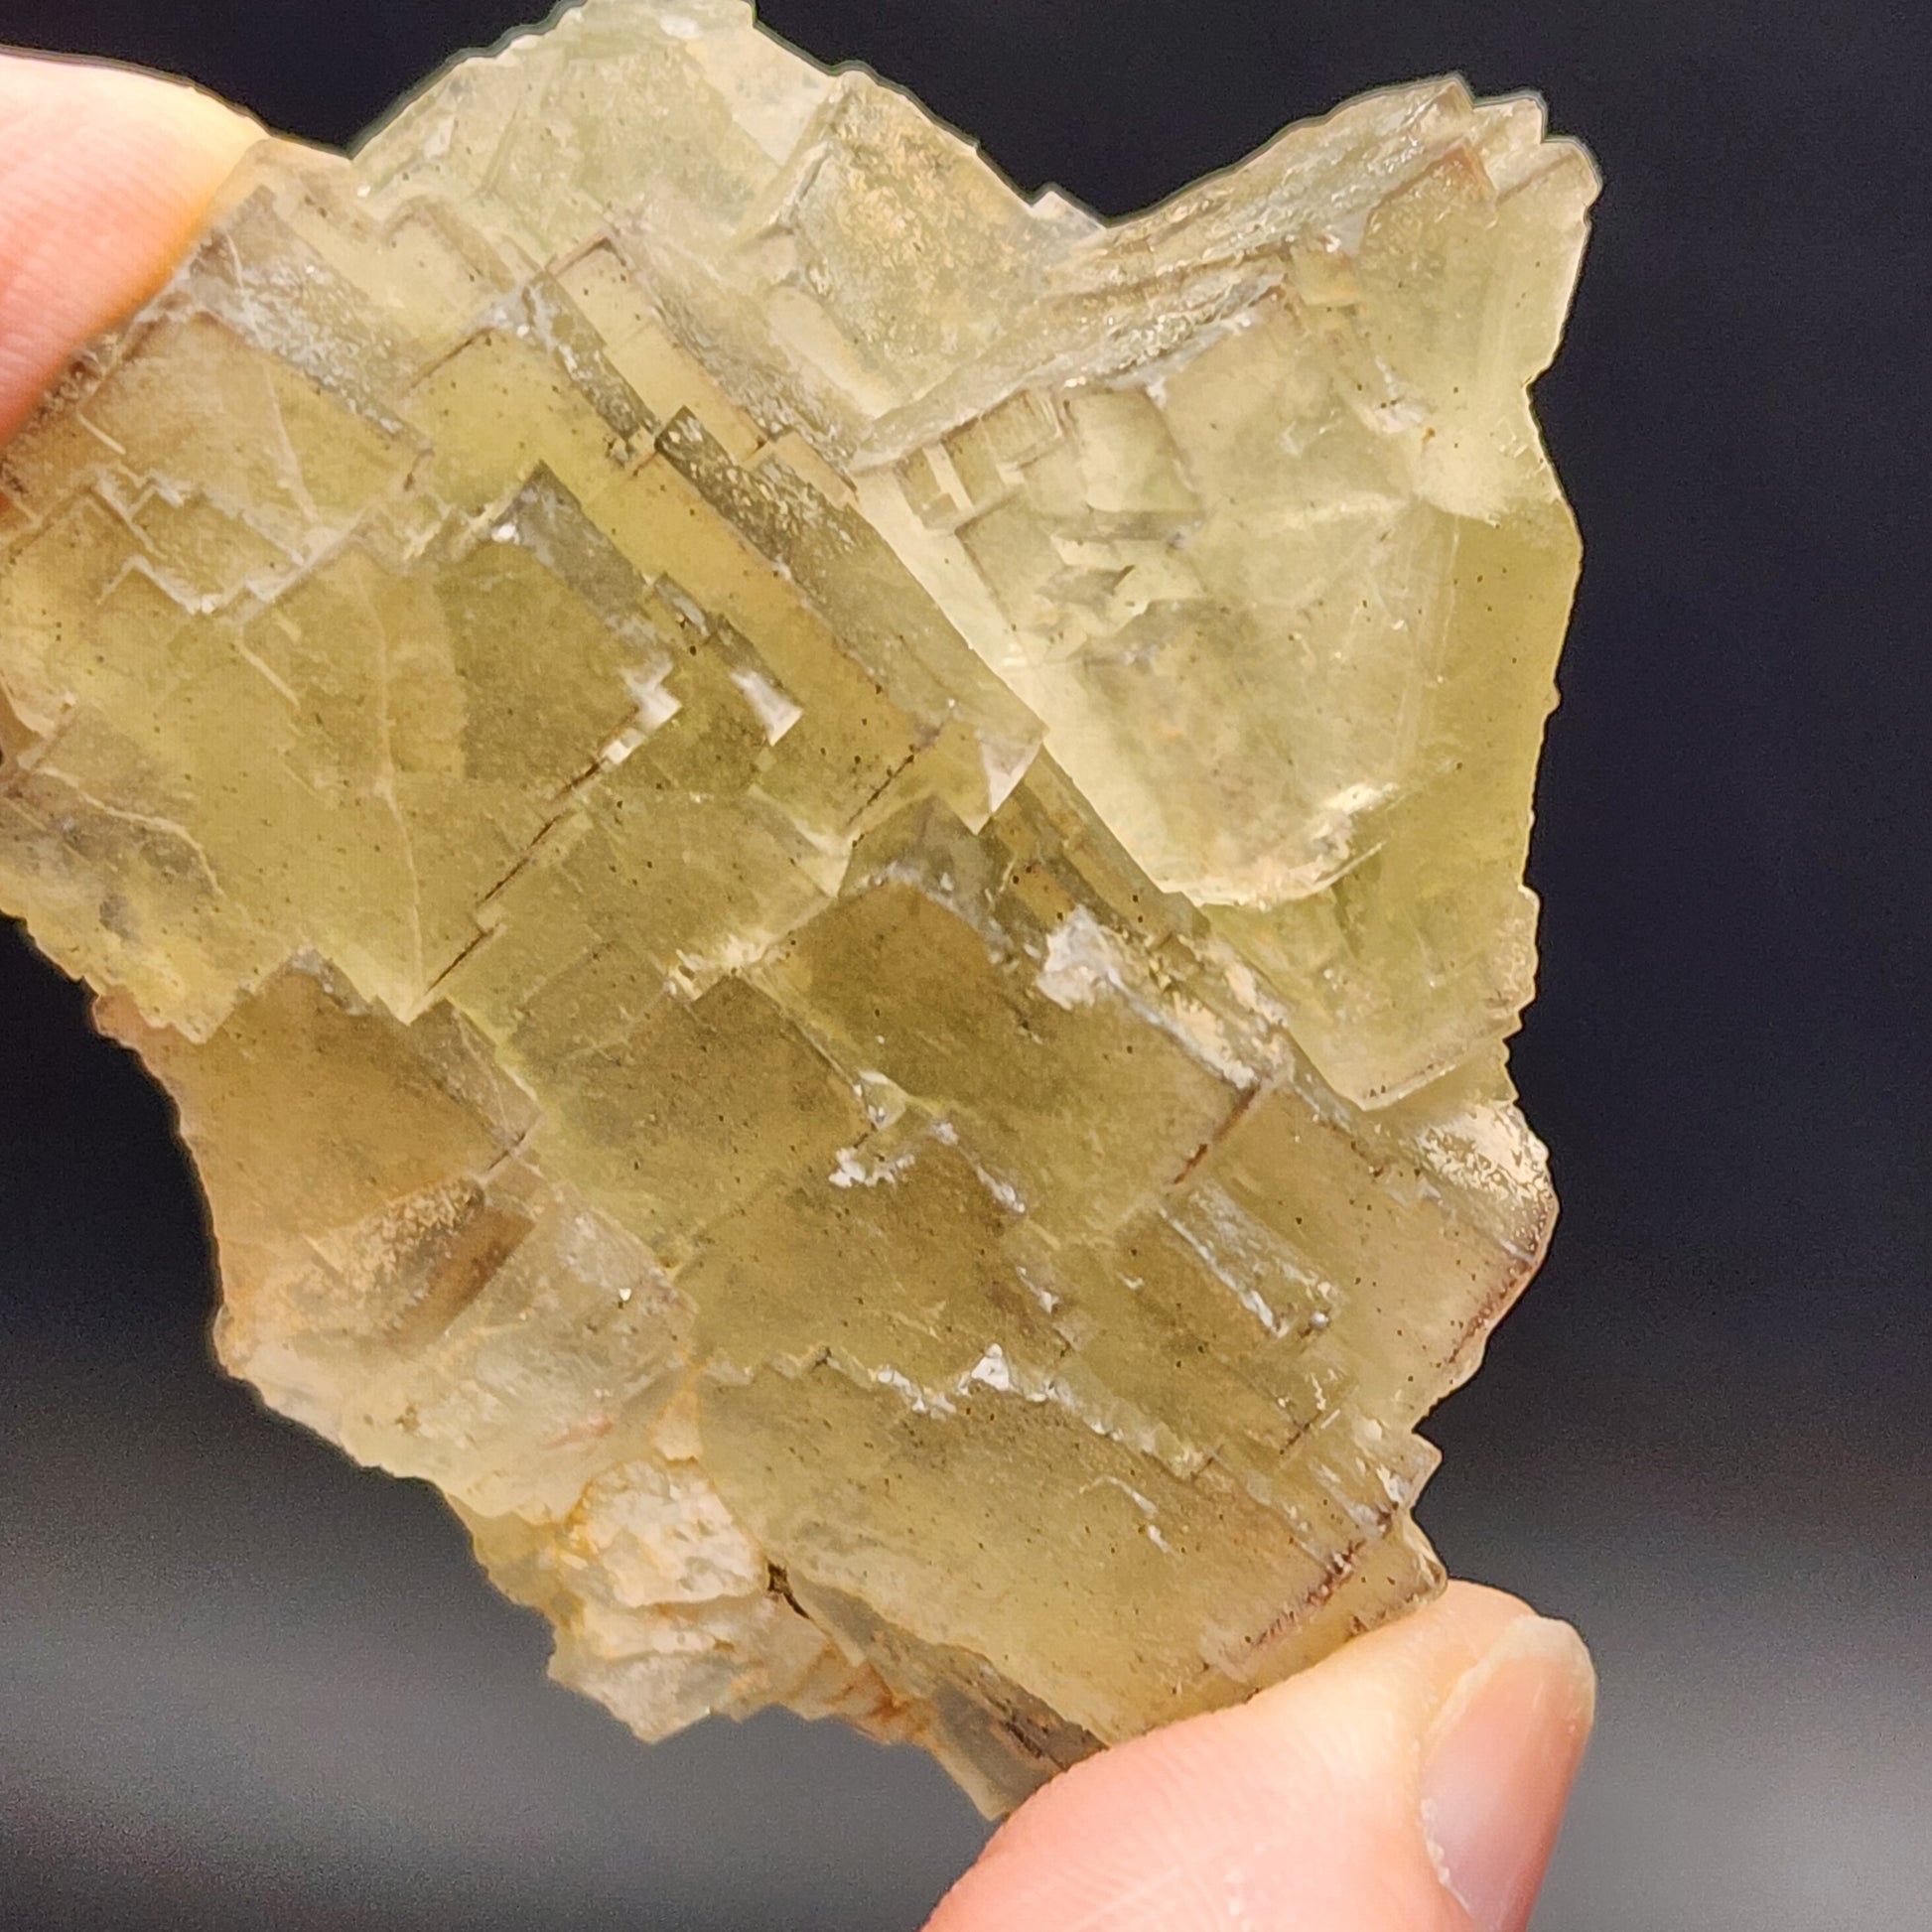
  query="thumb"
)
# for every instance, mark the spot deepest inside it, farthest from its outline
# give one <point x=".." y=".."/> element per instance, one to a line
<point x="104" y="176"/>
<point x="1414" y="1782"/>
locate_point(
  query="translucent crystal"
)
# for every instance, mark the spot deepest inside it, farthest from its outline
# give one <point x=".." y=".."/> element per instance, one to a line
<point x="829" y="863"/>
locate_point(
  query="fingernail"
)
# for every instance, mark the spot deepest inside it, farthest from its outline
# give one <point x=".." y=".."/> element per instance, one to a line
<point x="1498" y="1768"/>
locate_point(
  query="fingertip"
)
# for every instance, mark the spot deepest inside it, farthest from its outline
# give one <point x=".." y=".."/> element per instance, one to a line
<point x="32" y="83"/>
<point x="106" y="175"/>
<point x="1306" y="1806"/>
<point x="1498" y="1763"/>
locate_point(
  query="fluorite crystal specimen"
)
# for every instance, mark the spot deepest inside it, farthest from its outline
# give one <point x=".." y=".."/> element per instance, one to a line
<point x="828" y="863"/>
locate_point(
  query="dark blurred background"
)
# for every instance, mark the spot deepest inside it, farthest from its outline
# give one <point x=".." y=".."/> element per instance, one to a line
<point x="245" y="1685"/>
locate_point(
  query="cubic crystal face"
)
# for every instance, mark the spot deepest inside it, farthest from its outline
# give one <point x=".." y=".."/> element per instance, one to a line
<point x="829" y="864"/>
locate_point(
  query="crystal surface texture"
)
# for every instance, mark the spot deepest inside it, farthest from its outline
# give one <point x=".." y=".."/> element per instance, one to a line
<point x="828" y="864"/>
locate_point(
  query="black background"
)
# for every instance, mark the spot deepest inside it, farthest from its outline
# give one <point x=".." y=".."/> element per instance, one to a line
<point x="242" y="1684"/>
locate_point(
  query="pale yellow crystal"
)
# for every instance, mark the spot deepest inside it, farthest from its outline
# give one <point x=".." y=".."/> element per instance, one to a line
<point x="828" y="864"/>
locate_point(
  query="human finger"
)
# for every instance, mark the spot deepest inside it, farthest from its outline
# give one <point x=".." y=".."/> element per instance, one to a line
<point x="105" y="176"/>
<point x="1414" y="1782"/>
